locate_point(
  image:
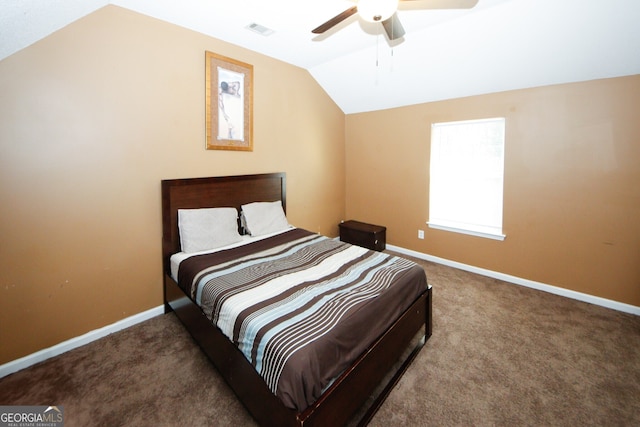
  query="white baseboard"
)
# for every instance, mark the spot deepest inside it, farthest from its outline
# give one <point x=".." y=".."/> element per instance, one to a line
<point x="42" y="355"/>
<point x="47" y="353"/>
<point x="615" y="305"/>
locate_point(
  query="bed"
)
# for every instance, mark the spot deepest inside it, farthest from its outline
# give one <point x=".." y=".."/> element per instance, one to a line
<point x="370" y="360"/>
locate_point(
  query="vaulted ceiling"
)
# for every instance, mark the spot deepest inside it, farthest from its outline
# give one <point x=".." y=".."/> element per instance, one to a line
<point x="482" y="46"/>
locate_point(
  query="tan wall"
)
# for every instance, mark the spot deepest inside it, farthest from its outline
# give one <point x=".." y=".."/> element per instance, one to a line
<point x="91" y="119"/>
<point x="95" y="115"/>
<point x="572" y="183"/>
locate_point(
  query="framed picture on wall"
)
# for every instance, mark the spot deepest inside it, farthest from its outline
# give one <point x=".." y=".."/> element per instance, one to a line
<point x="229" y="99"/>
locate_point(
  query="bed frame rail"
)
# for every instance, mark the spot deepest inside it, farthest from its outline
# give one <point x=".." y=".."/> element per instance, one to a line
<point x="344" y="397"/>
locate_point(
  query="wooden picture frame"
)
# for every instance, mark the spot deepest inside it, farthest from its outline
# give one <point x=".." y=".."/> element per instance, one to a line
<point x="229" y="99"/>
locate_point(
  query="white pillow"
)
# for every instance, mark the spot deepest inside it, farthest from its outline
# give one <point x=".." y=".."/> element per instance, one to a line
<point x="208" y="228"/>
<point x="264" y="217"/>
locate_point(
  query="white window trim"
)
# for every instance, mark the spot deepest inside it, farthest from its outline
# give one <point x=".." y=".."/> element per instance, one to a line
<point x="487" y="235"/>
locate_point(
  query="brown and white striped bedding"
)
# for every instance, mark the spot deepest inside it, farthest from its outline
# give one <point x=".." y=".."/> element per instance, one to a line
<point x="301" y="307"/>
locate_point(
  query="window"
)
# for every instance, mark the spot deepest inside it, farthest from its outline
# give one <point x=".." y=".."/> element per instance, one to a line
<point x="466" y="177"/>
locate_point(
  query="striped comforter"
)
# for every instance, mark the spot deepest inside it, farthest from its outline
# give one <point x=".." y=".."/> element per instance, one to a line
<point x="301" y="307"/>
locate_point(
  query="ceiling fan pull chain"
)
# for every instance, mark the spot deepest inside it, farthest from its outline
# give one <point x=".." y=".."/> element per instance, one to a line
<point x="376" y="72"/>
<point x="391" y="61"/>
<point x="377" y="49"/>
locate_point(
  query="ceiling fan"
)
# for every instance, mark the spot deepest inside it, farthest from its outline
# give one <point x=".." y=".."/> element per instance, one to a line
<point x="384" y="11"/>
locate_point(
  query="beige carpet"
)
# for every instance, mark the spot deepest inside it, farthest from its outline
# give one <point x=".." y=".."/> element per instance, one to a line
<point x="500" y="355"/>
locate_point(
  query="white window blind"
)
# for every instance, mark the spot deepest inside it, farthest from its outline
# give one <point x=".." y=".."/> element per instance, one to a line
<point x="467" y="176"/>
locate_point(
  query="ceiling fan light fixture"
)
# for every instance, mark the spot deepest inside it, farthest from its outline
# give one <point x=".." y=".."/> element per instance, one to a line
<point x="377" y="10"/>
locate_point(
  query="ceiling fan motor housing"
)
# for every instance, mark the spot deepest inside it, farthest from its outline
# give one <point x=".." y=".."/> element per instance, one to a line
<point x="377" y="10"/>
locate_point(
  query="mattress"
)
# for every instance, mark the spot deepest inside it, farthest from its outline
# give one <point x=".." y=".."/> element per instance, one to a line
<point x="301" y="307"/>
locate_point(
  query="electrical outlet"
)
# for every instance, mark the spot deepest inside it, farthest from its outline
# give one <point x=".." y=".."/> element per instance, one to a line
<point x="420" y="234"/>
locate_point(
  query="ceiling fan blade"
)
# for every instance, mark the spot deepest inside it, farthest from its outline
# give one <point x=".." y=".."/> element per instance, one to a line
<point x="393" y="27"/>
<point x="335" y="20"/>
<point x="437" y="4"/>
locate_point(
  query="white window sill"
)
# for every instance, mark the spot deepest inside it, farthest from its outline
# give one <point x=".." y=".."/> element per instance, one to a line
<point x="485" y="234"/>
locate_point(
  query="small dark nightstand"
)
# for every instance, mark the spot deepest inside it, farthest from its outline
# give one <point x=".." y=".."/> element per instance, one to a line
<point x="362" y="234"/>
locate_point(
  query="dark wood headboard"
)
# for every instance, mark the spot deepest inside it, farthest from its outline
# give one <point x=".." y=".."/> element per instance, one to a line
<point x="224" y="191"/>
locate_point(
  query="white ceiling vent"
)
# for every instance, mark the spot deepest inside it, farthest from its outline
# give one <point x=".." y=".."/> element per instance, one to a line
<point x="260" y="29"/>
